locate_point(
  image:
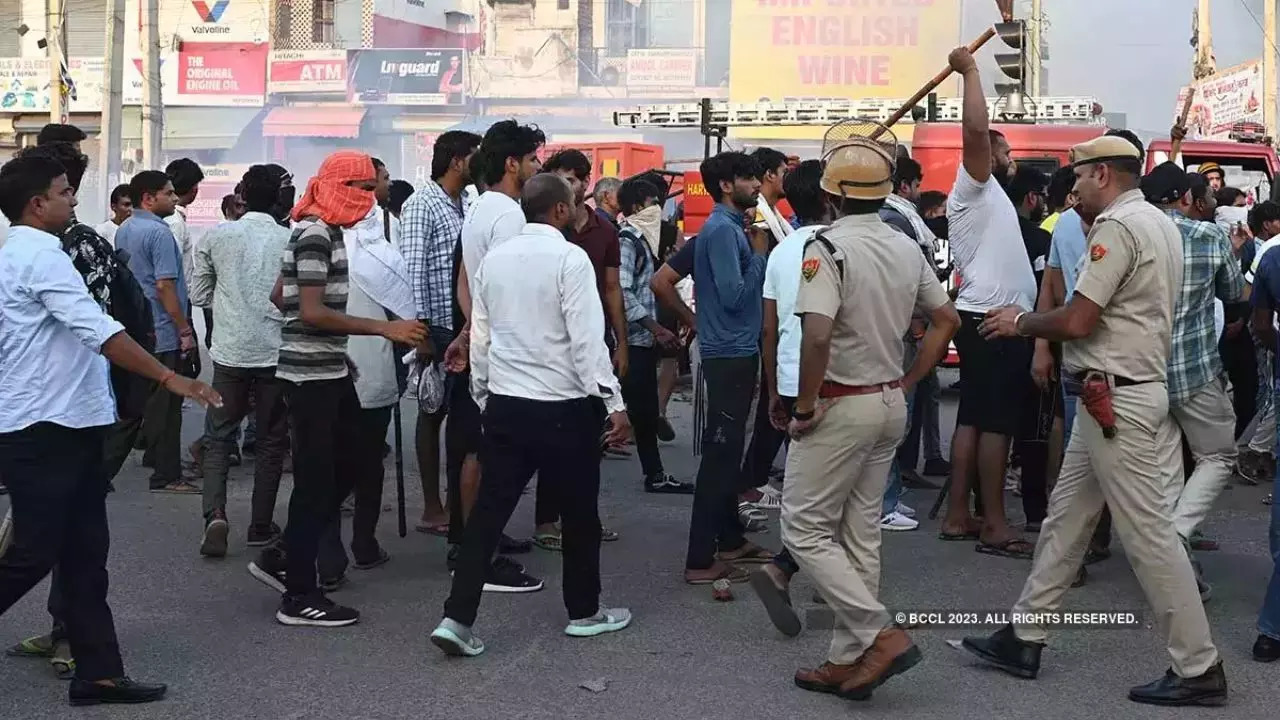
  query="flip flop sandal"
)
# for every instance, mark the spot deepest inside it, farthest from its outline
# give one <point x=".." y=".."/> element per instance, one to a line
<point x="1203" y="544"/>
<point x="753" y="556"/>
<point x="547" y="541"/>
<point x="733" y="574"/>
<point x="1267" y="500"/>
<point x="32" y="647"/>
<point x="382" y="559"/>
<point x="958" y="537"/>
<point x="64" y="667"/>
<point x="607" y="535"/>
<point x="1005" y="549"/>
<point x="438" y="529"/>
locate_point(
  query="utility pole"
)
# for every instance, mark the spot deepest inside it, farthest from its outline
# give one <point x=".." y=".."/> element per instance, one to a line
<point x="1035" y="60"/>
<point x="1269" y="67"/>
<point x="113" y="100"/>
<point x="152" y="117"/>
<point x="1206" y="63"/>
<point x="55" y="38"/>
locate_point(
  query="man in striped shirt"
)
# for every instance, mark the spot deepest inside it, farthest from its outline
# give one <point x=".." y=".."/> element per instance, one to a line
<point x="319" y="388"/>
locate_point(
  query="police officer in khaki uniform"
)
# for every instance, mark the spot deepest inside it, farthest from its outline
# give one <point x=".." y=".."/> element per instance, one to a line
<point x="1117" y="330"/>
<point x="861" y="280"/>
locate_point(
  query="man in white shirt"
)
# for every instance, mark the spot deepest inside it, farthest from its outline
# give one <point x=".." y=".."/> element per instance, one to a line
<point x="540" y="373"/>
<point x="186" y="176"/>
<point x="121" y="209"/>
<point x="986" y="241"/>
<point x="56" y="404"/>
<point x="508" y="158"/>
<point x="235" y="268"/>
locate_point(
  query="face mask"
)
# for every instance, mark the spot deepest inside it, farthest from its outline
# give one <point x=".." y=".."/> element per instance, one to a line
<point x="649" y="222"/>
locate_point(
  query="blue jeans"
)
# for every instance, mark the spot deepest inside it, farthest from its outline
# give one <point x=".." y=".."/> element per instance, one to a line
<point x="1269" y="617"/>
<point x="893" y="489"/>
<point x="1070" y="394"/>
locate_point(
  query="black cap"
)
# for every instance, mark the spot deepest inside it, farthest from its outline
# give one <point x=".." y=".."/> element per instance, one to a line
<point x="1166" y="183"/>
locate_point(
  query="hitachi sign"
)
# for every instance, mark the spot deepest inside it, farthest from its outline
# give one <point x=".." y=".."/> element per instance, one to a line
<point x="424" y="69"/>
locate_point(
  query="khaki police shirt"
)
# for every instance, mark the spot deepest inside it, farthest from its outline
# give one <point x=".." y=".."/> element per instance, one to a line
<point x="1133" y="271"/>
<point x="885" y="278"/>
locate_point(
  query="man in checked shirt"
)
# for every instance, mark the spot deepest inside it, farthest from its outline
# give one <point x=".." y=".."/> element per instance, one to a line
<point x="430" y="225"/>
<point x="1198" y="397"/>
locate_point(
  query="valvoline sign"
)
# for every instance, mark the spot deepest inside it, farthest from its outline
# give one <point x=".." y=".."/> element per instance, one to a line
<point x="210" y="17"/>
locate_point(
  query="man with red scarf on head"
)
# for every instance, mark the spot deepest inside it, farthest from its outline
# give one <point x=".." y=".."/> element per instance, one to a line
<point x="319" y="387"/>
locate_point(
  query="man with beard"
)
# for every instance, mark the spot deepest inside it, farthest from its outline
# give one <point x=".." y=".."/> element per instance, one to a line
<point x="235" y="268"/>
<point x="987" y="245"/>
<point x="544" y="381"/>
<point x="1042" y="404"/>
<point x="431" y="225"/>
<point x="1117" y="330"/>
<point x="638" y="238"/>
<point x="507" y="159"/>
<point x="729" y="265"/>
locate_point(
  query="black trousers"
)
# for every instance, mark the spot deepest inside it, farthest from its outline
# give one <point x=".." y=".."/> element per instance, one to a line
<point x="462" y="438"/>
<point x="1240" y="360"/>
<point x="324" y="417"/>
<point x="58" y="489"/>
<point x="161" y="428"/>
<point x="766" y="440"/>
<point x="640" y="391"/>
<point x="714" y="524"/>
<point x="561" y="442"/>
<point x="242" y="390"/>
<point x="367" y="445"/>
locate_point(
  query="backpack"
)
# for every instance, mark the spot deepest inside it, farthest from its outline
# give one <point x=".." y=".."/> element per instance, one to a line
<point x="110" y="281"/>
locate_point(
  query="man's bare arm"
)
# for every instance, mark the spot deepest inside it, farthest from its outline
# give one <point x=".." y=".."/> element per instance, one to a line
<point x="975" y="123"/>
<point x="167" y="292"/>
<point x="664" y="289"/>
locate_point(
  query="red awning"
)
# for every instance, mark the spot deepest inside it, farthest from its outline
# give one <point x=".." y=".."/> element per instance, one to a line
<point x="327" y="122"/>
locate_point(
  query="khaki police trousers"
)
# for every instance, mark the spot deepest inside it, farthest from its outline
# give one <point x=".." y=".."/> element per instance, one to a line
<point x="1208" y="421"/>
<point x="1125" y="473"/>
<point x="835" y="480"/>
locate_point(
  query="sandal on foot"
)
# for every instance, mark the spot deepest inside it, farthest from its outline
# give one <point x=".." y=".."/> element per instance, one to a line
<point x="748" y="554"/>
<point x="548" y="541"/>
<point x="966" y="536"/>
<point x="1096" y="555"/>
<point x="437" y="529"/>
<point x="607" y="535"/>
<point x="40" y="646"/>
<point x="382" y="559"/>
<point x="178" y="487"/>
<point x="1008" y="548"/>
<point x="732" y="574"/>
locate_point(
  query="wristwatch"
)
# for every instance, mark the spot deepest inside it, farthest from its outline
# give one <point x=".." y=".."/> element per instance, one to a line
<point x="802" y="416"/>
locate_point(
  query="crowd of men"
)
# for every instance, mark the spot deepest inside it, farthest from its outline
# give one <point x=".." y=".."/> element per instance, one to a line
<point x="539" y="333"/>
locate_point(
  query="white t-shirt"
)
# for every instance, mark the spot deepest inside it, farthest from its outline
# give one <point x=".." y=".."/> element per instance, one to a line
<point x="490" y="221"/>
<point x="986" y="242"/>
<point x="107" y="229"/>
<point x="781" y="284"/>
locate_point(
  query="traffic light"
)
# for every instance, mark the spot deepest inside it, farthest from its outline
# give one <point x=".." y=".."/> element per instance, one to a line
<point x="1014" y="64"/>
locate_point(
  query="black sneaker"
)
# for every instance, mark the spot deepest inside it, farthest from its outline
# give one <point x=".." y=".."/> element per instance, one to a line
<point x="315" y="610"/>
<point x="666" y="433"/>
<point x="123" y="692"/>
<point x="664" y="484"/>
<point x="268" y="568"/>
<point x="334" y="583"/>
<point x="260" y="536"/>
<point x="214" y="541"/>
<point x="507" y="576"/>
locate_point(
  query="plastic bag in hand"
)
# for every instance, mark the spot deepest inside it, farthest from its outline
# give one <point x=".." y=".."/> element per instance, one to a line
<point x="430" y="389"/>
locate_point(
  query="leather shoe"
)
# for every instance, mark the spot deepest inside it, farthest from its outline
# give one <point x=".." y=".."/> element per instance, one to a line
<point x="121" y="691"/>
<point x="891" y="654"/>
<point x="1171" y="690"/>
<point x="1005" y="651"/>
<point x="1266" y="649"/>
<point x="826" y="678"/>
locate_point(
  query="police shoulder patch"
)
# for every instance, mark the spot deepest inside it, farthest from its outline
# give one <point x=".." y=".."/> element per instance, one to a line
<point x="809" y="269"/>
<point x="1097" y="252"/>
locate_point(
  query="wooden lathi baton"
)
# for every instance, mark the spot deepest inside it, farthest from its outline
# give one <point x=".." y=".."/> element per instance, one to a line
<point x="933" y="84"/>
<point x="1176" y="148"/>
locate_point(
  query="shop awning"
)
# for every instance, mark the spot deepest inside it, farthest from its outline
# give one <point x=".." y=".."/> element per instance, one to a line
<point x="313" y="121"/>
<point x="193" y="128"/>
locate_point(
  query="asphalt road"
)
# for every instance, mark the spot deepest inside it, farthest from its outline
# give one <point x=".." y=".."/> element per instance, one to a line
<point x="207" y="628"/>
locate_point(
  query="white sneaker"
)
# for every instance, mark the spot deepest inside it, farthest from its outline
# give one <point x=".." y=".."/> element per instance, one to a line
<point x="904" y="509"/>
<point x="896" y="521"/>
<point x="606" y="620"/>
<point x="770" y="498"/>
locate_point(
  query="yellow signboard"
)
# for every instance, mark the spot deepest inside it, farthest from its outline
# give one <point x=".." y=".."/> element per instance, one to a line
<point x="846" y="49"/>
